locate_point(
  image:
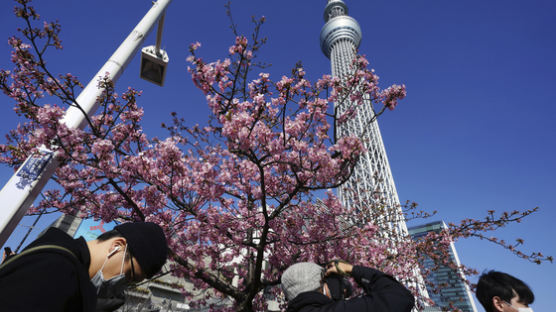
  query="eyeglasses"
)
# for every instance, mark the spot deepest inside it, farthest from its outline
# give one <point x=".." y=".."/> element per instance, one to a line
<point x="132" y="279"/>
<point x="132" y="268"/>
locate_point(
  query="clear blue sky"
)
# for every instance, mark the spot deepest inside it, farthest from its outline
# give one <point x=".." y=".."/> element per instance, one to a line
<point x="475" y="133"/>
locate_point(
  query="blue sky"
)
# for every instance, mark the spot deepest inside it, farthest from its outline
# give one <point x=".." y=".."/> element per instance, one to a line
<point x="476" y="131"/>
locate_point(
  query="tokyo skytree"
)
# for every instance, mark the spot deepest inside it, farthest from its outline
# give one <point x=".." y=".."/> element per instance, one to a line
<point x="371" y="184"/>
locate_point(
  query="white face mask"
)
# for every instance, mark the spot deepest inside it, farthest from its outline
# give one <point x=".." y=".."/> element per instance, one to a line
<point x="520" y="309"/>
<point x="113" y="286"/>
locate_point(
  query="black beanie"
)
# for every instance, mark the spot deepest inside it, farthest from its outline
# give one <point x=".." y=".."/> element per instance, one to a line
<point x="147" y="243"/>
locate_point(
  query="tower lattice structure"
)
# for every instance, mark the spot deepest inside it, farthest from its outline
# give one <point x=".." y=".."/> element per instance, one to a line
<point x="371" y="184"/>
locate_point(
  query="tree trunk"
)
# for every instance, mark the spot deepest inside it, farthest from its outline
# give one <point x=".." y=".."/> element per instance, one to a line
<point x="246" y="305"/>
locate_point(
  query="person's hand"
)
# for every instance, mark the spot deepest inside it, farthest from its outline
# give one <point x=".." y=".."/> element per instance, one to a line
<point x="338" y="267"/>
<point x="8" y="253"/>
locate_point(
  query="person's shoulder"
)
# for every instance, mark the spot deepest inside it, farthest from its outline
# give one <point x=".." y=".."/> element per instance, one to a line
<point x="311" y="301"/>
<point x="51" y="281"/>
<point x="51" y="236"/>
<point x="46" y="261"/>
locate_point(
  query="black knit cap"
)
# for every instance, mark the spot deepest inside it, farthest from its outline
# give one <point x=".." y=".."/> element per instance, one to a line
<point x="147" y="243"/>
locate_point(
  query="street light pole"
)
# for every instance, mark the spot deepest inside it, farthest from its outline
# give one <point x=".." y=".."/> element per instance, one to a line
<point x="23" y="187"/>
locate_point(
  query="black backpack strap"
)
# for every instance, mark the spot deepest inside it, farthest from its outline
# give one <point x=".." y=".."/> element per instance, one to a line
<point x="37" y="249"/>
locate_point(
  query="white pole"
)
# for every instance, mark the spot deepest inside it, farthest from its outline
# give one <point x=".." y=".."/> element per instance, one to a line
<point x="159" y="34"/>
<point x="24" y="186"/>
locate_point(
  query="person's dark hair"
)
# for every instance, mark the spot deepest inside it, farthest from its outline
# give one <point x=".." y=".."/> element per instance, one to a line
<point x="503" y="285"/>
<point x="108" y="235"/>
<point x="111" y="234"/>
<point x="146" y="243"/>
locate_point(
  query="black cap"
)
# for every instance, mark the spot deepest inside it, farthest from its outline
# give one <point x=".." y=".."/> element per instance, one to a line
<point x="147" y="243"/>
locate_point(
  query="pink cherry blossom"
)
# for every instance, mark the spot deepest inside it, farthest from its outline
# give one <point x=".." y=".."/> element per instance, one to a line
<point x="240" y="198"/>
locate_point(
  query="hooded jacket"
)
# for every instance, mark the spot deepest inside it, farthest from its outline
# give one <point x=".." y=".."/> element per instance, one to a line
<point x="382" y="294"/>
<point x="49" y="279"/>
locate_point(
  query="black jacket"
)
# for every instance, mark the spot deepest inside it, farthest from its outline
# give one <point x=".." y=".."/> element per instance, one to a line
<point x="49" y="280"/>
<point x="382" y="294"/>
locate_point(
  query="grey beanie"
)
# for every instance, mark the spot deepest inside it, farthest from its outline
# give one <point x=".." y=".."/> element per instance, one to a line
<point x="301" y="277"/>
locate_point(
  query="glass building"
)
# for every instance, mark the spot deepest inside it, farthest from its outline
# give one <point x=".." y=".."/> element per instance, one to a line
<point x="452" y="281"/>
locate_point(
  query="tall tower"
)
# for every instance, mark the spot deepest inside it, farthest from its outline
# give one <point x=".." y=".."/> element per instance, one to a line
<point x="372" y="178"/>
<point x="371" y="183"/>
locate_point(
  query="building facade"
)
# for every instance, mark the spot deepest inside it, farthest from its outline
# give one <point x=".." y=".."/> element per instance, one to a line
<point x="453" y="287"/>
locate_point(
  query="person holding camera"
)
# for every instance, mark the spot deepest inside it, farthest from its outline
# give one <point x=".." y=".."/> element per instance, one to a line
<point x="310" y="288"/>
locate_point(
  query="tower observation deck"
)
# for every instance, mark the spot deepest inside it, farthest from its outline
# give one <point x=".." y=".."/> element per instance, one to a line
<point x="371" y="184"/>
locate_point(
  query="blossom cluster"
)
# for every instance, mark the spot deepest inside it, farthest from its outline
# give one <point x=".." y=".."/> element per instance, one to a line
<point x="239" y="199"/>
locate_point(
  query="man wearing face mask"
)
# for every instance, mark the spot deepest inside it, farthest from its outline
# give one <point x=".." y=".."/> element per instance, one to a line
<point x="501" y="292"/>
<point x="311" y="288"/>
<point x="59" y="273"/>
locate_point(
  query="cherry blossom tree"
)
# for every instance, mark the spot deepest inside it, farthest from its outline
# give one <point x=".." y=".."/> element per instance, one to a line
<point x="241" y="198"/>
